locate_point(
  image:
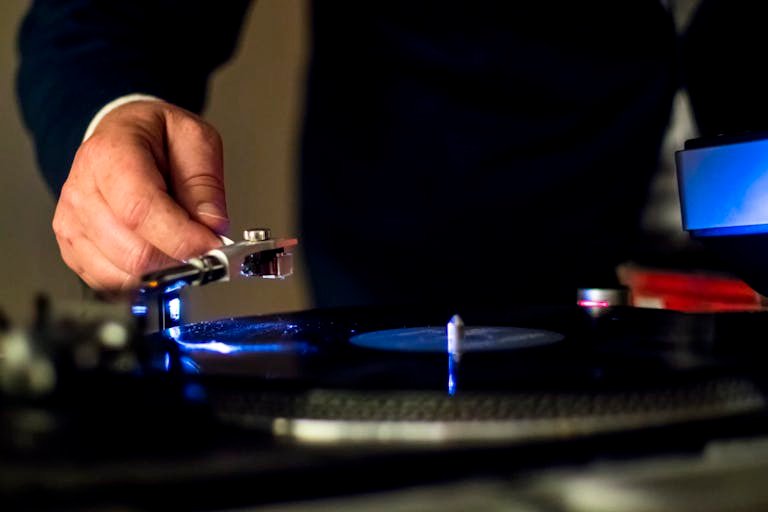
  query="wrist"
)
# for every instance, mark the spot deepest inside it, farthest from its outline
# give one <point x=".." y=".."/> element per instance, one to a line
<point x="112" y="105"/>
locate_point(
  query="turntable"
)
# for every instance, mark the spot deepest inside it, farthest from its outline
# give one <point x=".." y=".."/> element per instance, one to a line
<point x="400" y="375"/>
<point x="361" y="399"/>
<point x="395" y="376"/>
<point x="138" y="409"/>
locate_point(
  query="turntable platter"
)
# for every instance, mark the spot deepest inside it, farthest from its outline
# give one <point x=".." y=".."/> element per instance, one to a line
<point x="530" y="373"/>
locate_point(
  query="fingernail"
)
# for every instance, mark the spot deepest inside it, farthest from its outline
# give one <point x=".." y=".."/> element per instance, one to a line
<point x="212" y="210"/>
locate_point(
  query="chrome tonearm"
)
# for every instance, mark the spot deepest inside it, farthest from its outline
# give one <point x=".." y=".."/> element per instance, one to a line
<point x="257" y="255"/>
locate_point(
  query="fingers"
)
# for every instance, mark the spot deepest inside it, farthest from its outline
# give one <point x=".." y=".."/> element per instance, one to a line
<point x="101" y="274"/>
<point x="84" y="258"/>
<point x="196" y="169"/>
<point x="124" y="248"/>
<point x="140" y="202"/>
<point x="117" y="218"/>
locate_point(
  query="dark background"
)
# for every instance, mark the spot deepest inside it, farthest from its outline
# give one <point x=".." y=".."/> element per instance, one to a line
<point x="256" y="103"/>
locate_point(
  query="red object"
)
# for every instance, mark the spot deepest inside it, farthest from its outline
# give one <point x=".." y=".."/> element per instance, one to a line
<point x="689" y="291"/>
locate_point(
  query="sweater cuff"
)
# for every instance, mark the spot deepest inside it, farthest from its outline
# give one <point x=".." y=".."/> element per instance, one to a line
<point x="112" y="105"/>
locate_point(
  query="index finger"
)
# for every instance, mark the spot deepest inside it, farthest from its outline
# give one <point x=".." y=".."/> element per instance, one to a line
<point x="137" y="194"/>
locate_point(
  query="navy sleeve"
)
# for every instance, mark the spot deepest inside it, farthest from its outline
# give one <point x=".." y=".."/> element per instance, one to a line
<point x="77" y="55"/>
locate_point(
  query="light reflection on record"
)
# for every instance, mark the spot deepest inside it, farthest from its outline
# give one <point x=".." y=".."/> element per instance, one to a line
<point x="293" y="347"/>
<point x="236" y="336"/>
<point x="476" y="339"/>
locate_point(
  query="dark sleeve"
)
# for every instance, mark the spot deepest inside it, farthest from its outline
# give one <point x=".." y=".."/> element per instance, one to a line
<point x="77" y="55"/>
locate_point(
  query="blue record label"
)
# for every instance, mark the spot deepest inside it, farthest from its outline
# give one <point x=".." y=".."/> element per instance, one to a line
<point x="476" y="339"/>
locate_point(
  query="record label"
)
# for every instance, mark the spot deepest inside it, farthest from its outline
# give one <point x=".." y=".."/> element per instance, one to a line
<point x="476" y="339"/>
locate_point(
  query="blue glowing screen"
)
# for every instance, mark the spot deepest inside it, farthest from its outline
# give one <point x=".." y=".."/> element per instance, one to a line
<point x="724" y="189"/>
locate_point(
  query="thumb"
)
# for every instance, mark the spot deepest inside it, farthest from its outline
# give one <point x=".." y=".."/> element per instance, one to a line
<point x="196" y="169"/>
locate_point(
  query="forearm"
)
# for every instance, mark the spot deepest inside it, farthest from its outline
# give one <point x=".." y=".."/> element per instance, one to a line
<point x="78" y="55"/>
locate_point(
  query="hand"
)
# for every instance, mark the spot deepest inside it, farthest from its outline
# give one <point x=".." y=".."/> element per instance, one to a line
<point x="145" y="191"/>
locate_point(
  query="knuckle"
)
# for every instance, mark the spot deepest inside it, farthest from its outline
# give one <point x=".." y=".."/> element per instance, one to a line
<point x="211" y="136"/>
<point x="73" y="198"/>
<point x="201" y="130"/>
<point x="58" y="225"/>
<point x="139" y="259"/>
<point x="136" y="212"/>
<point x="68" y="258"/>
<point x="181" y="249"/>
<point x="62" y="225"/>
<point x="204" y="181"/>
<point x="89" y="150"/>
<point x="74" y="194"/>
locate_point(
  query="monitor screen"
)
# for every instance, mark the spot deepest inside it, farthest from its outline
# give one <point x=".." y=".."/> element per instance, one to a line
<point x="724" y="189"/>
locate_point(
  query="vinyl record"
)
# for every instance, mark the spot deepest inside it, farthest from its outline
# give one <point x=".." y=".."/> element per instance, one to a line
<point x="384" y="375"/>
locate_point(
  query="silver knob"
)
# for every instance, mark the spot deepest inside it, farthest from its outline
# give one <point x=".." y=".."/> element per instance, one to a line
<point x="603" y="297"/>
<point x="257" y="234"/>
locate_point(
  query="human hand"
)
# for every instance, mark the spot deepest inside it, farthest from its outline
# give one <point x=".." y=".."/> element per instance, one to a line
<point x="145" y="191"/>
